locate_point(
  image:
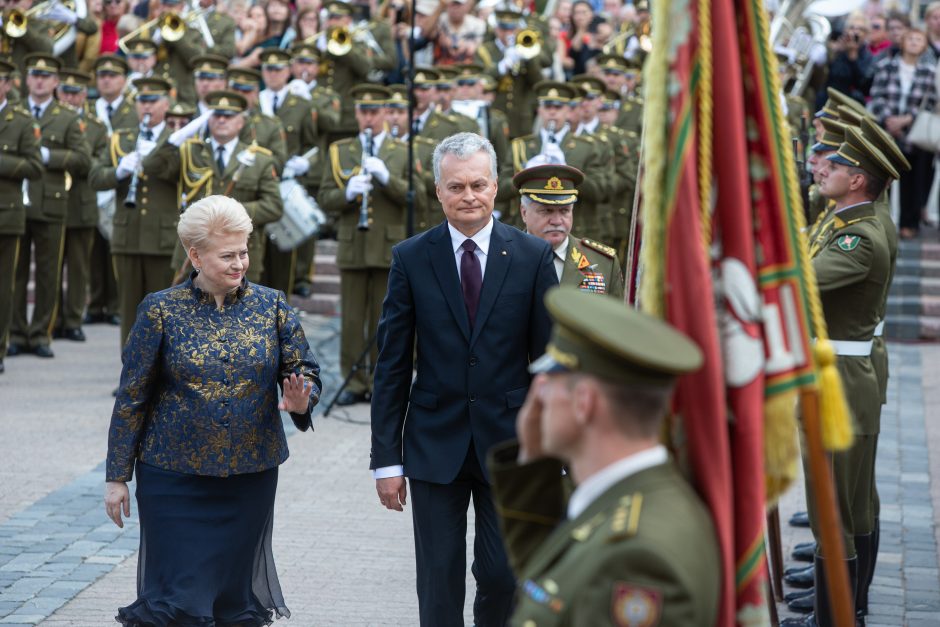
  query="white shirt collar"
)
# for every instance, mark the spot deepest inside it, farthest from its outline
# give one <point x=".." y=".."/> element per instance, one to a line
<point x="559" y="258"/>
<point x="562" y="248"/>
<point x="42" y="107"/>
<point x="481" y="238"/>
<point x="858" y="204"/>
<point x="376" y="142"/>
<point x="559" y="134"/>
<point x="588" y="127"/>
<point x="597" y="484"/>
<point x="229" y="148"/>
<point x="156" y="129"/>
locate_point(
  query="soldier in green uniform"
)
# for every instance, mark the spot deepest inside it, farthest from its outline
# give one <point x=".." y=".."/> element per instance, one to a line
<point x="15" y="49"/>
<point x="852" y="263"/>
<point x="548" y="197"/>
<point x="146" y="208"/>
<point x="223" y="164"/>
<point x="428" y="210"/>
<point x="444" y="97"/>
<point x="353" y="179"/>
<point x="222" y="28"/>
<point x="555" y="142"/>
<point x="633" y="545"/>
<point x="20" y="138"/>
<point x="622" y="75"/>
<point x="142" y="60"/>
<point x="66" y="156"/>
<point x="260" y="128"/>
<point x="175" y="58"/>
<point x="208" y="75"/>
<point x="626" y="165"/>
<point x="492" y="123"/>
<point x="428" y="121"/>
<point x="81" y="223"/>
<point x="516" y="76"/>
<point x="112" y="107"/>
<point x="179" y="115"/>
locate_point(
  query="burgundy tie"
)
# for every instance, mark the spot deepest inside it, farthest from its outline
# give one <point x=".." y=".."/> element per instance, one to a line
<point x="471" y="278"/>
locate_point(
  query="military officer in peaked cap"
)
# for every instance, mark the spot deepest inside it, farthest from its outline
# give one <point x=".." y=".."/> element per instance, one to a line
<point x="622" y="76"/>
<point x="142" y="61"/>
<point x="633" y="545"/>
<point x="179" y="115"/>
<point x="115" y="109"/>
<point x="853" y="267"/>
<point x="175" y="59"/>
<point x="208" y="75"/>
<point x="20" y="139"/>
<point x="66" y="156"/>
<point x="260" y="128"/>
<point x="428" y="121"/>
<point x="549" y="195"/>
<point x="428" y="210"/>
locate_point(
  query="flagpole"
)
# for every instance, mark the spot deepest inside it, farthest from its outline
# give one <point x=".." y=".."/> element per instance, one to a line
<point x="830" y="525"/>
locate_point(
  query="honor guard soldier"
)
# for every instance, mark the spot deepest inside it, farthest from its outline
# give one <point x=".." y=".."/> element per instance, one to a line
<point x="146" y="207"/>
<point x="493" y="123"/>
<point x="112" y="107"/>
<point x="428" y="210"/>
<point x="556" y="143"/>
<point x="66" y="156"/>
<point x="633" y="544"/>
<point x="428" y="121"/>
<point x="175" y="58"/>
<point x="208" y="75"/>
<point x="16" y="43"/>
<point x="20" y="164"/>
<point x="516" y="76"/>
<point x="142" y="60"/>
<point x="299" y="119"/>
<point x="260" y="128"/>
<point x="81" y="223"/>
<point x="852" y="264"/>
<point x="223" y="164"/>
<point x="365" y="183"/>
<point x="622" y="75"/>
<point x="221" y="28"/>
<point x="344" y="65"/>
<point x="444" y="92"/>
<point x="627" y="148"/>
<point x="548" y="197"/>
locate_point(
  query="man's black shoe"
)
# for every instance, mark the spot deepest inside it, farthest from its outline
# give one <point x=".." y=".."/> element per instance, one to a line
<point x="803" y="605"/>
<point x="16" y="349"/>
<point x="302" y="290"/>
<point x="43" y="351"/>
<point x="352" y="398"/>
<point x="798" y="594"/>
<point x="76" y="335"/>
<point x="801" y="578"/>
<point x="803" y="621"/>
<point x="93" y="318"/>
<point x="804" y="551"/>
<point x="799" y="519"/>
<point x="113" y="319"/>
<point x="57" y="334"/>
<point x="798" y="569"/>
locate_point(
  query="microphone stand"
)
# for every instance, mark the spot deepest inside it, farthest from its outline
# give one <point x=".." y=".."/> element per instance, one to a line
<point x="410" y="81"/>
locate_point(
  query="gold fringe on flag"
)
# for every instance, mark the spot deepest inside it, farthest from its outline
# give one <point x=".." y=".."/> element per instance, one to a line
<point x="781" y="447"/>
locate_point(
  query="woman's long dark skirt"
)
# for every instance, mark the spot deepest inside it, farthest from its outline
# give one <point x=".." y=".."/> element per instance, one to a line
<point x="205" y="551"/>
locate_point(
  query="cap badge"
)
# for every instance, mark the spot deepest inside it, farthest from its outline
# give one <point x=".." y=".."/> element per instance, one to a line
<point x="554" y="183"/>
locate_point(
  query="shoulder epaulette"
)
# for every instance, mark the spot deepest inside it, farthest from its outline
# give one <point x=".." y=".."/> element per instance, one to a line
<point x="260" y="149"/>
<point x="625" y="520"/>
<point x="601" y="248"/>
<point x="425" y="140"/>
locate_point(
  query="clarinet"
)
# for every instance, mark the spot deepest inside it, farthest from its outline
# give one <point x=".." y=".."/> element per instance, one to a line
<point x="364" y="208"/>
<point x="131" y="201"/>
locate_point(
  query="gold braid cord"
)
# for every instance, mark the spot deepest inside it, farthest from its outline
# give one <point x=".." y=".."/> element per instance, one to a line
<point x="192" y="177"/>
<point x="705" y="123"/>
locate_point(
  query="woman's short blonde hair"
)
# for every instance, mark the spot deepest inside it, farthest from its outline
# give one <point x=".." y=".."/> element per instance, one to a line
<point x="211" y="216"/>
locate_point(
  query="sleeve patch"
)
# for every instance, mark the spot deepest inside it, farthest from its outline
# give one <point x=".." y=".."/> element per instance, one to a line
<point x="848" y="242"/>
<point x="635" y="606"/>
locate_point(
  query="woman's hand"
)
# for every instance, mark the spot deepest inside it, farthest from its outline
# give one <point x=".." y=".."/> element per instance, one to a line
<point x="117" y="498"/>
<point x="296" y="394"/>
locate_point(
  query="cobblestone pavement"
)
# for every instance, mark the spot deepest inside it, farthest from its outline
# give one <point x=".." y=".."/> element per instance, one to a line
<point x="344" y="560"/>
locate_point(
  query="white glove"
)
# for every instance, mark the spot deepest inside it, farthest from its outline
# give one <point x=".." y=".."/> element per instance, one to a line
<point x="510" y="58"/>
<point x="246" y="158"/>
<point x="299" y="89"/>
<point x="321" y="43"/>
<point x="178" y="137"/>
<point x="156" y="37"/>
<point x="127" y="165"/>
<point x="145" y="147"/>
<point x="298" y="165"/>
<point x="537" y="160"/>
<point x="357" y="186"/>
<point x="377" y="168"/>
<point x="554" y="153"/>
<point x="59" y="13"/>
<point x="44" y="153"/>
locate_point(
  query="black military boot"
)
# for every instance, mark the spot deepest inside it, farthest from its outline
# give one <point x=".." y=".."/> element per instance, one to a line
<point x="864" y="545"/>
<point x="804" y="551"/>
<point x="800" y="577"/>
<point x="823" y="601"/>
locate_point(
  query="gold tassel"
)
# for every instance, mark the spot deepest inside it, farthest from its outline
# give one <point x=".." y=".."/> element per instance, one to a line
<point x="836" y="423"/>
<point x="781" y="448"/>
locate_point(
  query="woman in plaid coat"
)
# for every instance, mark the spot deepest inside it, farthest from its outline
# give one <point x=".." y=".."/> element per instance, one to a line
<point x="903" y="85"/>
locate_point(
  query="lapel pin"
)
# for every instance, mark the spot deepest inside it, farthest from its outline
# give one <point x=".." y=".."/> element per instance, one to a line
<point x="505" y="253"/>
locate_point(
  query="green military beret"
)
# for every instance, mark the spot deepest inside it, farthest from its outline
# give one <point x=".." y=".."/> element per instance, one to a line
<point x="606" y="338"/>
<point x="73" y="81"/>
<point x="42" y="63"/>
<point x="152" y="88"/>
<point x="554" y="92"/>
<point x="225" y="102"/>
<point x="549" y="184"/>
<point x="397" y="97"/>
<point x="591" y="85"/>
<point x="832" y="137"/>
<point x="858" y="152"/>
<point x="244" y="78"/>
<point x="880" y="139"/>
<point x="369" y="95"/>
<point x="209" y="66"/>
<point x="275" y="59"/>
<point x="111" y="64"/>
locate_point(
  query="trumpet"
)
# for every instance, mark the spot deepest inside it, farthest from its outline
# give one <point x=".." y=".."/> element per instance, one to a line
<point x="172" y="27"/>
<point x="15" y="21"/>
<point x="529" y="43"/>
<point x="339" y="39"/>
<point x="364" y="207"/>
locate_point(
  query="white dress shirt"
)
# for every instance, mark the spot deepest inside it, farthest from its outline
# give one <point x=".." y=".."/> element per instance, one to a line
<point x="266" y="98"/>
<point x="588" y="128"/>
<point x="594" y="486"/>
<point x="228" y="149"/>
<point x="559" y="257"/>
<point x="42" y="106"/>
<point x="376" y="142"/>
<point x="482" y="239"/>
<point x="155" y="131"/>
<point x="422" y="119"/>
<point x="101" y="110"/>
<point x="559" y="134"/>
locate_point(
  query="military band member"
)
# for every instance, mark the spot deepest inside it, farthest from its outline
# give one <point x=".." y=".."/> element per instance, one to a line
<point x="112" y="107"/>
<point x="626" y="165"/>
<point x="428" y="121"/>
<point x="208" y="75"/>
<point x="493" y="123"/>
<point x="222" y="28"/>
<point x="179" y="115"/>
<point x="352" y="178"/>
<point x="260" y="128"/>
<point x="21" y="160"/>
<point x="428" y="210"/>
<point x="62" y="20"/>
<point x="15" y="49"/>
<point x="622" y="76"/>
<point x="556" y="143"/>
<point x="223" y="164"/>
<point x="444" y="96"/>
<point x="142" y="60"/>
<point x="633" y="544"/>
<point x="81" y="223"/>
<point x="66" y="156"/>
<point x="549" y="194"/>
<point x="516" y="77"/>
<point x="175" y="58"/>
<point x="852" y="266"/>
<point x="146" y="207"/>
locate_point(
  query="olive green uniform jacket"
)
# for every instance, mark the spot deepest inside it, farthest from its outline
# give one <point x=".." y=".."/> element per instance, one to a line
<point x="222" y="28"/>
<point x="19" y="159"/>
<point x="83" y="202"/>
<point x="515" y="94"/>
<point x="592" y="267"/>
<point x="63" y="133"/>
<point x="175" y="62"/>
<point x="643" y="553"/>
<point x="342" y="73"/>
<point x="267" y="131"/>
<point x="879" y="352"/>
<point x="438" y="127"/>
<point x="386" y="208"/>
<point x="631" y="114"/>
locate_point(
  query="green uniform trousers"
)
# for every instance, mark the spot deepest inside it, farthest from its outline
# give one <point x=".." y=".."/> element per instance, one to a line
<point x="102" y="286"/>
<point x="137" y="276"/>
<point x="305" y="267"/>
<point x="278" y="272"/>
<point x="78" y="244"/>
<point x="48" y="241"/>
<point x="9" y="251"/>
<point x="361" y="295"/>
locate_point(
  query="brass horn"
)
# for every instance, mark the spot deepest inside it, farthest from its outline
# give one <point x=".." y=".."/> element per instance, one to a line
<point x="528" y="43"/>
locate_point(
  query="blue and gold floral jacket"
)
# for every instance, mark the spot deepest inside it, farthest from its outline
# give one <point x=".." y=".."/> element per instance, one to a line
<point x="199" y="387"/>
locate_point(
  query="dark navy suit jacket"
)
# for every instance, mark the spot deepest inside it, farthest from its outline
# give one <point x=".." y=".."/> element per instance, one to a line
<point x="470" y="382"/>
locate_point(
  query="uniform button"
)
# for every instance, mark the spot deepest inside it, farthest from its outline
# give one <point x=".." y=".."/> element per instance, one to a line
<point x="473" y="398"/>
<point x="473" y="361"/>
<point x="143" y="212"/>
<point x="57" y="194"/>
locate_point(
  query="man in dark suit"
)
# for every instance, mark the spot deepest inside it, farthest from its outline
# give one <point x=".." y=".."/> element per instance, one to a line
<point x="470" y="292"/>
